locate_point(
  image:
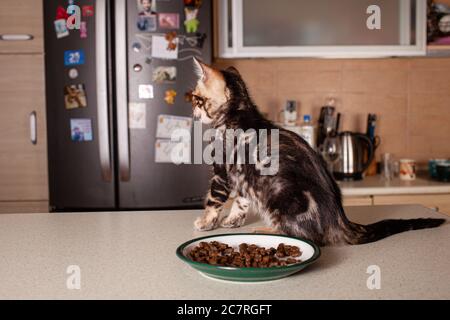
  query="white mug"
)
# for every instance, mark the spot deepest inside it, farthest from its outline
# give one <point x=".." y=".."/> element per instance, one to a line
<point x="407" y="169"/>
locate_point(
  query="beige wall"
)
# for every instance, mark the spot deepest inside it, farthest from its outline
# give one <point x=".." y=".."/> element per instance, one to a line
<point x="411" y="96"/>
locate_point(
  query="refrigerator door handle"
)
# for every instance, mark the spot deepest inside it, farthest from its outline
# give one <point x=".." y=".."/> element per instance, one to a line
<point x="122" y="89"/>
<point x="102" y="89"/>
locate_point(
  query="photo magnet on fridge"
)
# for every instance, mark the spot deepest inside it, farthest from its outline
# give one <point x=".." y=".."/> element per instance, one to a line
<point x="73" y="57"/>
<point x="75" y="96"/>
<point x="167" y="124"/>
<point x="81" y="130"/>
<point x="167" y="151"/>
<point x="61" y="28"/>
<point x="146" y="8"/>
<point x="147" y="24"/>
<point x="145" y="91"/>
<point x="169" y="20"/>
<point x="136" y="116"/>
<point x="164" y="75"/>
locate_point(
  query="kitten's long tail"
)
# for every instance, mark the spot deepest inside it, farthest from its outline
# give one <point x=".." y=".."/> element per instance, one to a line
<point x="385" y="228"/>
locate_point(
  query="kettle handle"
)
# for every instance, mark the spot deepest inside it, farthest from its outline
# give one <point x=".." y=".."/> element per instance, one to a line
<point x="369" y="150"/>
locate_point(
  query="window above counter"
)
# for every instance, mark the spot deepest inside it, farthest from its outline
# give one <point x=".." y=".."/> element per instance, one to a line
<point x="321" y="28"/>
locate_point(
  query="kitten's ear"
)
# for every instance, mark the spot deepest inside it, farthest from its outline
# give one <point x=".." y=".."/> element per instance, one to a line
<point x="202" y="70"/>
<point x="233" y="70"/>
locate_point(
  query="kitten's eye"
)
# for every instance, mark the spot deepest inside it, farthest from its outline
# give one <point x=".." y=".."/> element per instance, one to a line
<point x="198" y="101"/>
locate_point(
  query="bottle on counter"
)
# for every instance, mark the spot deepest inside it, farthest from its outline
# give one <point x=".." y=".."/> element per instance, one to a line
<point x="290" y="113"/>
<point x="307" y="131"/>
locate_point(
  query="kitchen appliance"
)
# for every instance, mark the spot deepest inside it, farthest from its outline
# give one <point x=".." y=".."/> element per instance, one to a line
<point x="109" y="86"/>
<point x="352" y="161"/>
<point x="327" y="122"/>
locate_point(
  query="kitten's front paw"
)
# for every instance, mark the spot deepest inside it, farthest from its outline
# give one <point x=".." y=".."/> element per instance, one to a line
<point x="233" y="222"/>
<point x="205" y="224"/>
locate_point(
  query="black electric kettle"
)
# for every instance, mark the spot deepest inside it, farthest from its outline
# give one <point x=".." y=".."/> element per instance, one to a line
<point x="356" y="152"/>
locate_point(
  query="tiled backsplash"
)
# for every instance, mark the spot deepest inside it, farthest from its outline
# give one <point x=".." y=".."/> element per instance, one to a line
<point x="411" y="96"/>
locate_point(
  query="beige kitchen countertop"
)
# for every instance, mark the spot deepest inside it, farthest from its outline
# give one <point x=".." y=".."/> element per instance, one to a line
<point x="132" y="255"/>
<point x="375" y="185"/>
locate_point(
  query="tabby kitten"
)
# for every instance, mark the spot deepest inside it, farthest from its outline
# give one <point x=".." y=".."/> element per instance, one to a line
<point x="301" y="199"/>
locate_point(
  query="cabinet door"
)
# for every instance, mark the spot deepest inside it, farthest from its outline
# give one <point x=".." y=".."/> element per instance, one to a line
<point x="21" y="18"/>
<point x="23" y="165"/>
<point x="321" y="28"/>
<point x="7" y="207"/>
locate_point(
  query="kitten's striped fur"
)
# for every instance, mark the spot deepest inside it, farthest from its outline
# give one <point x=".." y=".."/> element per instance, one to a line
<point x="302" y="199"/>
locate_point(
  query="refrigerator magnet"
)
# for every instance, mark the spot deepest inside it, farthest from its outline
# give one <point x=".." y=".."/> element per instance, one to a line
<point x="169" y="20"/>
<point x="73" y="57"/>
<point x="74" y="20"/>
<point x="146" y="23"/>
<point x="137" y="67"/>
<point x="145" y="91"/>
<point x="61" y="13"/>
<point x="172" y="40"/>
<point x="164" y="49"/>
<point x="170" y="96"/>
<point x="201" y="37"/>
<point x="164" y="75"/>
<point x="136" y="47"/>
<point x="75" y="96"/>
<point x="83" y="30"/>
<point x="61" y="28"/>
<point x="191" y="23"/>
<point x="81" y="130"/>
<point x="88" y="10"/>
<point x="193" y="3"/>
<point x="73" y="73"/>
<point x="137" y="116"/>
<point x="167" y="151"/>
<point x="146" y="8"/>
<point x="167" y="124"/>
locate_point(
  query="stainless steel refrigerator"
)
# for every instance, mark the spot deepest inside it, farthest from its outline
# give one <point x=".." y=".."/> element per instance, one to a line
<point x="122" y="70"/>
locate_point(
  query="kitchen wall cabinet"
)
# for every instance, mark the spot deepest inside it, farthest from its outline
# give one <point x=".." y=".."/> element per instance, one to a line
<point x="21" y="28"/>
<point x="23" y="141"/>
<point x="321" y="28"/>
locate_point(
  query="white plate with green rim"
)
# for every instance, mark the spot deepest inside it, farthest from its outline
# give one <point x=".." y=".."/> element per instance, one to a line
<point x="310" y="253"/>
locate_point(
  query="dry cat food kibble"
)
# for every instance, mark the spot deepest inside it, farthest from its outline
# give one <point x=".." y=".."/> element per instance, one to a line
<point x="221" y="254"/>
